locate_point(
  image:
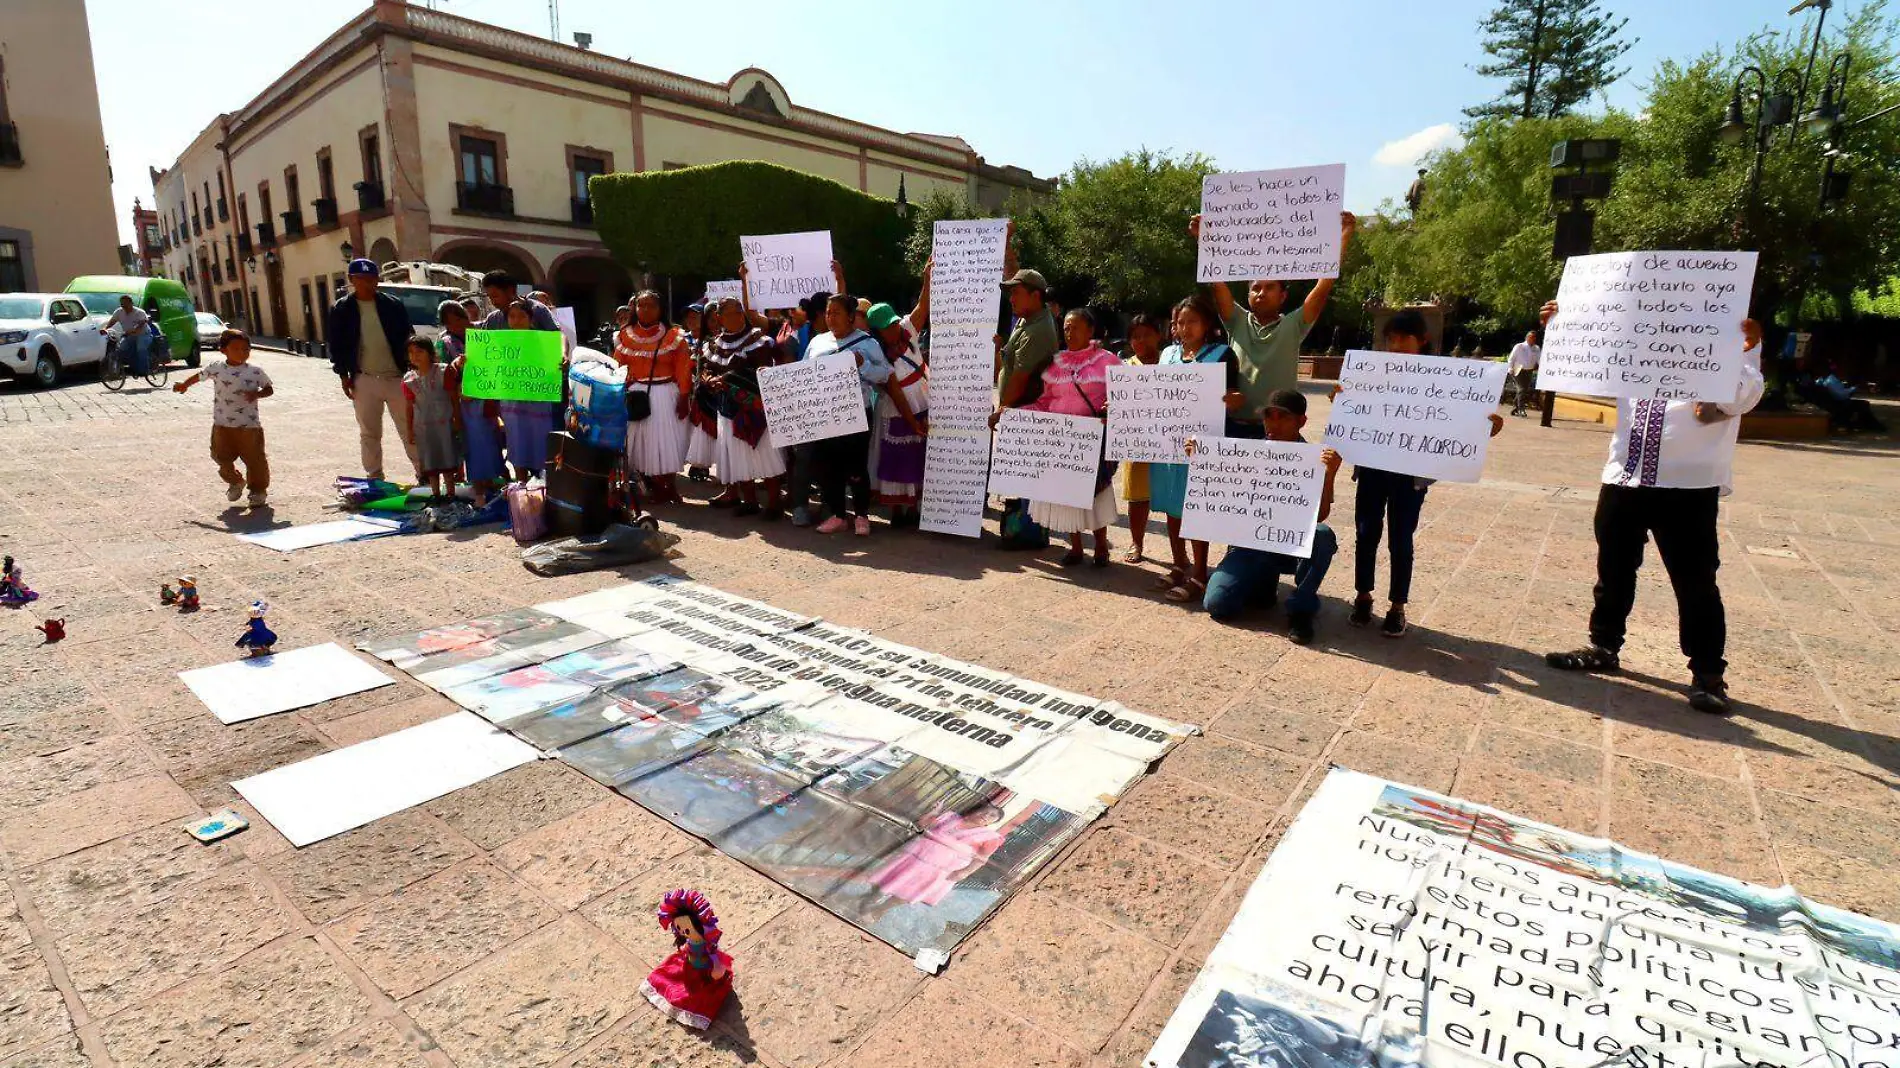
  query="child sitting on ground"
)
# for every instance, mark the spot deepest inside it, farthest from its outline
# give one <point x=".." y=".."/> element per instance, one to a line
<point x="236" y="431"/>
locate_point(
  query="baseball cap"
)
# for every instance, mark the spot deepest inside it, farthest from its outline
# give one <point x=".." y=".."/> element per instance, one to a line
<point x="880" y="316"/>
<point x="1287" y="400"/>
<point x="362" y="266"/>
<point x="697" y="307"/>
<point x="1033" y="279"/>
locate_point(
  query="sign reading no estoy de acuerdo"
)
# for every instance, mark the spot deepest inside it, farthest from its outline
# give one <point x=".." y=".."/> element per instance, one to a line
<point x="1271" y="224"/>
<point x="517" y="365"/>
<point x="1662" y="325"/>
<point x="783" y="269"/>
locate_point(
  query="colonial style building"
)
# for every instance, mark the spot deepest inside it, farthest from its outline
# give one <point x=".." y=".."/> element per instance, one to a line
<point x="56" y="217"/>
<point x="417" y="135"/>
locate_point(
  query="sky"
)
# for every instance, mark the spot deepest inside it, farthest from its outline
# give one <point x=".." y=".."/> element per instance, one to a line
<point x="1253" y="85"/>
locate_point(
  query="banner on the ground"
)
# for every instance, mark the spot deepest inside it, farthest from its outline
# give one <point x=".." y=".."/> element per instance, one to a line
<point x="813" y="399"/>
<point x="906" y="792"/>
<point x="1043" y="456"/>
<point x="1395" y="926"/>
<point x="516" y="365"/>
<point x="783" y="269"/>
<point x="965" y="277"/>
<point x="1256" y="494"/>
<point x="1649" y="325"/>
<point x="1154" y="409"/>
<point x="1427" y="416"/>
<point x="1271" y="224"/>
<point x="731" y="287"/>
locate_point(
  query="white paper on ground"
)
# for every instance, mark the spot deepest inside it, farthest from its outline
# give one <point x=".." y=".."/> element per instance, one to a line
<point x="326" y="795"/>
<point x="265" y="685"/>
<point x="289" y="539"/>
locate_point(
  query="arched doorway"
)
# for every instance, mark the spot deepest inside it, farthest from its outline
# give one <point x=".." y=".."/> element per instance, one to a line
<point x="381" y="251"/>
<point x="481" y="256"/>
<point x="593" y="285"/>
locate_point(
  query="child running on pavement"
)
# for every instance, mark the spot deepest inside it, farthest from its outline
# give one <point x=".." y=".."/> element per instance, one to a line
<point x="236" y="431"/>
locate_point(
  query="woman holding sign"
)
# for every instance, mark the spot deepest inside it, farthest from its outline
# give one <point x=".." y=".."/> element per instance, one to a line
<point x="1197" y="340"/>
<point x="659" y="395"/>
<point x="1076" y="383"/>
<point x="743" y="450"/>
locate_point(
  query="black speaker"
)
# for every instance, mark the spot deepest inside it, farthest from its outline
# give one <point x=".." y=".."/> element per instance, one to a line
<point x="579" y="476"/>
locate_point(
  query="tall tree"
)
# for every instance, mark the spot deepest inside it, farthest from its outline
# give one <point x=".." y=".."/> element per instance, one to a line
<point x="1553" y="55"/>
<point x="1121" y="224"/>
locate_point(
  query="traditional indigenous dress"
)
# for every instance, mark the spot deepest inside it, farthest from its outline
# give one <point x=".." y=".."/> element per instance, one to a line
<point x="702" y="440"/>
<point x="743" y="450"/>
<point x="683" y="986"/>
<point x="432" y="421"/>
<point x="928" y="867"/>
<point x="1076" y="383"/>
<point x="1167" y="483"/>
<point x="257" y="635"/>
<point x="897" y="457"/>
<point x="481" y="429"/>
<point x="659" y="365"/>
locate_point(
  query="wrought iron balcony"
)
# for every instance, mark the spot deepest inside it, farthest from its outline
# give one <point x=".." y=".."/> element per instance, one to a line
<point x="266" y="235"/>
<point x="293" y="223"/>
<point x="489" y="199"/>
<point x="244" y="245"/>
<point x="326" y="210"/>
<point x="10" y="145"/>
<point x="224" y="212"/>
<point x="583" y="210"/>
<point x="369" y="196"/>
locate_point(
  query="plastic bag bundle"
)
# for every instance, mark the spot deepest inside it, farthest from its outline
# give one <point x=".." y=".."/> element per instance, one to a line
<point x="617" y="546"/>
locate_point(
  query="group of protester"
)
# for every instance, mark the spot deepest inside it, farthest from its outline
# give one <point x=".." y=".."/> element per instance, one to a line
<point x="694" y="404"/>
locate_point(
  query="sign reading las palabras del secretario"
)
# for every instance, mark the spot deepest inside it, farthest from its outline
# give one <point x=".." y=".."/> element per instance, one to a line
<point x="516" y="365"/>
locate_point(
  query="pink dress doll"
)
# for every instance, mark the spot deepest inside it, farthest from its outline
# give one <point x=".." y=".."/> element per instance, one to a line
<point x="930" y="865"/>
<point x="692" y="984"/>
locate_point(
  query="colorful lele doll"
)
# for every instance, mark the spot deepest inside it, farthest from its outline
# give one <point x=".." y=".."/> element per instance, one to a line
<point x="187" y="593"/>
<point x="257" y="636"/>
<point x="54" y="629"/>
<point x="692" y="984"/>
<point x="13" y="588"/>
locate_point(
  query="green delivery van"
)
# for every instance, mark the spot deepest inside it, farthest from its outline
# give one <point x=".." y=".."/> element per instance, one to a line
<point x="162" y="299"/>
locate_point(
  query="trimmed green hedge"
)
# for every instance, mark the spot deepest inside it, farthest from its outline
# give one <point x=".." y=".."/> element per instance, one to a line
<point x="688" y="222"/>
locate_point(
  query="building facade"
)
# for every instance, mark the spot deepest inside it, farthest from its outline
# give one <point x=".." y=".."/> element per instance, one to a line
<point x="148" y="245"/>
<point x="56" y="216"/>
<point x="412" y="134"/>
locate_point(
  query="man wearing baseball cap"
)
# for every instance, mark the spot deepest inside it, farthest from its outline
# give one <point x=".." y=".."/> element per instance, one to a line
<point x="369" y="333"/>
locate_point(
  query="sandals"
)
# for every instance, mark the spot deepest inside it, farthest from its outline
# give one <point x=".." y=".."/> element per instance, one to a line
<point x="1175" y="577"/>
<point x="1133" y="555"/>
<point x="1073" y="558"/>
<point x="1189" y="590"/>
<point x="1588" y="658"/>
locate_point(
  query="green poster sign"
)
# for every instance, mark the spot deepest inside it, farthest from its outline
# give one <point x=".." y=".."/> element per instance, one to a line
<point x="517" y="365"/>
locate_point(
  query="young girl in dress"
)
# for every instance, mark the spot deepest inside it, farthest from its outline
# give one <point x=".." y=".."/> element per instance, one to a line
<point x="479" y="420"/>
<point x="526" y="424"/>
<point x="1197" y="340"/>
<point x="953" y="844"/>
<point x="431" y="418"/>
<point x="743" y="451"/>
<point x="692" y="984"/>
<point x="660" y="367"/>
<point x="1144" y="347"/>
<point x="1076" y="383"/>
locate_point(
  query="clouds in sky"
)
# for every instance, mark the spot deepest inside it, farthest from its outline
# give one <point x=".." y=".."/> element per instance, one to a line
<point x="1411" y="148"/>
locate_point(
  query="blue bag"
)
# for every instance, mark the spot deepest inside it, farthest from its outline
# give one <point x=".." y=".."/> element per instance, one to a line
<point x="598" y="403"/>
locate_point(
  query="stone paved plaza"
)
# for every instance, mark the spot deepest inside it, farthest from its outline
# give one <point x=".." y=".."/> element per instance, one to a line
<point x="510" y="924"/>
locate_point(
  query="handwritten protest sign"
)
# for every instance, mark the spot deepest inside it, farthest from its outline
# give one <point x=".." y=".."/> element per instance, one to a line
<point x="1153" y="410"/>
<point x="964" y="297"/>
<point x="731" y="287"/>
<point x="1428" y="416"/>
<point x="783" y="269"/>
<point x="1046" y="457"/>
<point x="1258" y="494"/>
<point x="1271" y="224"/>
<point x="1664" y="325"/>
<point x="517" y="365"/>
<point x="813" y="399"/>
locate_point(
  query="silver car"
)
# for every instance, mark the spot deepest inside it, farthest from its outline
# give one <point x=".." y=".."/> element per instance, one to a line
<point x="210" y="328"/>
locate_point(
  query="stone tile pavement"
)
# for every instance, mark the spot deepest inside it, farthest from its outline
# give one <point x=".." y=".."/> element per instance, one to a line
<point x="508" y="924"/>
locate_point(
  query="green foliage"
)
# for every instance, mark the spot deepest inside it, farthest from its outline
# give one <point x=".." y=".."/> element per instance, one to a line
<point x="1123" y="224"/>
<point x="940" y="204"/>
<point x="1552" y="54"/>
<point x="689" y="221"/>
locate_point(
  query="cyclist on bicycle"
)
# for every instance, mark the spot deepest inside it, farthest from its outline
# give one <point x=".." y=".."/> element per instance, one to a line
<point x="135" y="334"/>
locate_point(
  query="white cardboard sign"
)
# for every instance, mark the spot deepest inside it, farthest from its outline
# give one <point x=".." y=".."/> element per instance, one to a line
<point x="964" y="298"/>
<point x="259" y="686"/>
<point x="1271" y="224"/>
<point x="1256" y="494"/>
<point x="813" y="399"/>
<point x="1154" y="410"/>
<point x="1649" y="325"/>
<point x="1428" y="416"/>
<point x="783" y="269"/>
<point x="731" y="287"/>
<point x="1043" y="456"/>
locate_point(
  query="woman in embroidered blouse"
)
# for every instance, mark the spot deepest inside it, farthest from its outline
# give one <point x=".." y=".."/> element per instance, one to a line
<point x="659" y="365"/>
<point x="1197" y="340"/>
<point x="1076" y="383"/>
<point x="743" y="451"/>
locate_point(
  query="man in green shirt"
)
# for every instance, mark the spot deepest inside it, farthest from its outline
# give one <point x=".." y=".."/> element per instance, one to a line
<point x="1266" y="343"/>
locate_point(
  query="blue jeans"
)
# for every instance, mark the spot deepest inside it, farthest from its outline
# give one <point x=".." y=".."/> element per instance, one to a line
<point x="1248" y="578"/>
<point x="135" y="352"/>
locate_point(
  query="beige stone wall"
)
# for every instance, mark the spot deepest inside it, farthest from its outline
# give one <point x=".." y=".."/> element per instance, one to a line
<point x="60" y="197"/>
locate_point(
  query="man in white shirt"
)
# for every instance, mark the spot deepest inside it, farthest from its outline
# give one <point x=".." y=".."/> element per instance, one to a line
<point x="1522" y="370"/>
<point x="1670" y="465"/>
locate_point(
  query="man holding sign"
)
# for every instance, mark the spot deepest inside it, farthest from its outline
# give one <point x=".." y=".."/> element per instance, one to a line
<point x="1670" y="464"/>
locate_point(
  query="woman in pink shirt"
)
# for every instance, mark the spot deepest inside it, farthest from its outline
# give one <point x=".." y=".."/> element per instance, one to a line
<point x="1076" y="383"/>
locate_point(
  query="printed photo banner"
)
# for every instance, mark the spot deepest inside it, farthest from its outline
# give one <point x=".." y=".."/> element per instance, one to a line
<point x="1395" y="926"/>
<point x="905" y="792"/>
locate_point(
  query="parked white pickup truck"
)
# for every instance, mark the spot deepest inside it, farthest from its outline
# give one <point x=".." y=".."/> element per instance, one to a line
<point x="42" y="334"/>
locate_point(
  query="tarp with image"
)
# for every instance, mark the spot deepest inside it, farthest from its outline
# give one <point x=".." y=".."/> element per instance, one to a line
<point x="905" y="792"/>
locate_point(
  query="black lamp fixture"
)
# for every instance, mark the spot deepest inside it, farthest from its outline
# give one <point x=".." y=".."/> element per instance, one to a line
<point x="349" y="251"/>
<point x="1733" y="128"/>
<point x="903" y="202"/>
